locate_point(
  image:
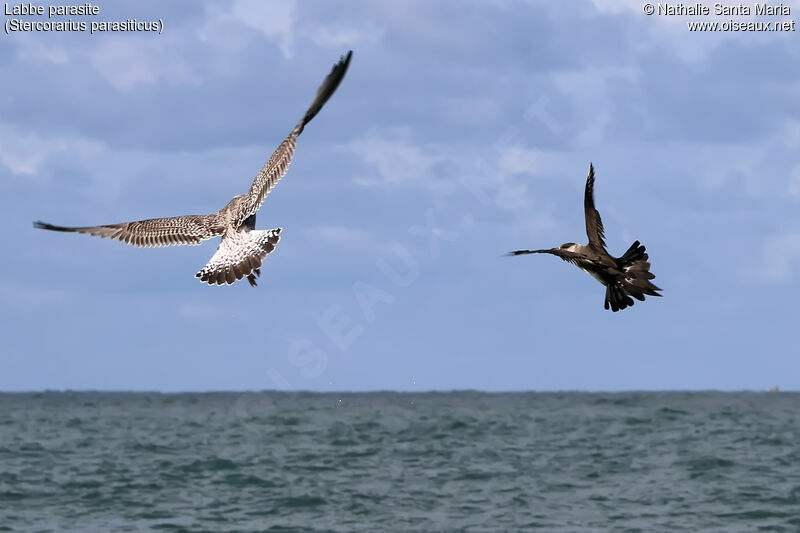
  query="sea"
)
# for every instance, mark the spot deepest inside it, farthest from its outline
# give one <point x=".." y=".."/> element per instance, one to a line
<point x="401" y="462"/>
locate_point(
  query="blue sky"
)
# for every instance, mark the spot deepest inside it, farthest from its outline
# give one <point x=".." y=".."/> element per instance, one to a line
<point x="463" y="130"/>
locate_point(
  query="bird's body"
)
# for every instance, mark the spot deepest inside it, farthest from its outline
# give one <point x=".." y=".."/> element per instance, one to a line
<point x="624" y="276"/>
<point x="243" y="248"/>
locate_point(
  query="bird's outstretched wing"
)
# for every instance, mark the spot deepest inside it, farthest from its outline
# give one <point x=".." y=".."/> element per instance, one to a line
<point x="594" y="224"/>
<point x="188" y="229"/>
<point x="571" y="257"/>
<point x="278" y="164"/>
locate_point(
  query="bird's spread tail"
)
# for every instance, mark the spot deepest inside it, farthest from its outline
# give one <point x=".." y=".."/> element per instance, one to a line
<point x="239" y="255"/>
<point x="616" y="297"/>
<point x="634" y="264"/>
<point x="325" y="91"/>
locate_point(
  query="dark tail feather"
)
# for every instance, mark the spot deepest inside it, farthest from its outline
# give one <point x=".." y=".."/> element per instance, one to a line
<point x="634" y="253"/>
<point x="643" y="286"/>
<point x="325" y="91"/>
<point x="637" y="278"/>
<point x="251" y="277"/>
<point x="616" y="297"/>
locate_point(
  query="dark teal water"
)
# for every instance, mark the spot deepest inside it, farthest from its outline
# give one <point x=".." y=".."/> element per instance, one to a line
<point x="464" y="461"/>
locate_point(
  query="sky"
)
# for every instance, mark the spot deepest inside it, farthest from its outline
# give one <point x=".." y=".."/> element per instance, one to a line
<point x="463" y="130"/>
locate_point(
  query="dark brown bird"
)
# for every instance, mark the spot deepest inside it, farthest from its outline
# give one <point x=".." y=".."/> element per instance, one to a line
<point x="243" y="248"/>
<point x="625" y="276"/>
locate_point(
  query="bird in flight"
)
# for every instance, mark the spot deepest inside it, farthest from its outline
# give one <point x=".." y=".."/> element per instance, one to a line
<point x="243" y="248"/>
<point x="624" y="276"/>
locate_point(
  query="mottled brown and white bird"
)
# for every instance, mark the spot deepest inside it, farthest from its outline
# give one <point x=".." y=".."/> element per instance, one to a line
<point x="243" y="248"/>
<point x="624" y="276"/>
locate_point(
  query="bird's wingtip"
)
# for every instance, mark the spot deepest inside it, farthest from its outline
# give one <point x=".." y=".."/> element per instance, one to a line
<point x="524" y="252"/>
<point x="344" y="60"/>
<point x="38" y="224"/>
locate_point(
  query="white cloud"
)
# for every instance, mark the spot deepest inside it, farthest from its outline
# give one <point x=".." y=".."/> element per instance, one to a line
<point x="519" y="160"/>
<point x="618" y="6"/>
<point x="794" y="181"/>
<point x="36" y="49"/>
<point x="275" y="19"/>
<point x="341" y="36"/>
<point x="673" y="30"/>
<point x="473" y="111"/>
<point x="790" y="136"/>
<point x="23" y="152"/>
<point x="124" y="66"/>
<point x="782" y="255"/>
<point x="340" y="236"/>
<point x="397" y="162"/>
<point x="505" y="181"/>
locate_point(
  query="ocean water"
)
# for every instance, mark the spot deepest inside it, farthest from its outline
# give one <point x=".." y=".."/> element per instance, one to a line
<point x="462" y="461"/>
